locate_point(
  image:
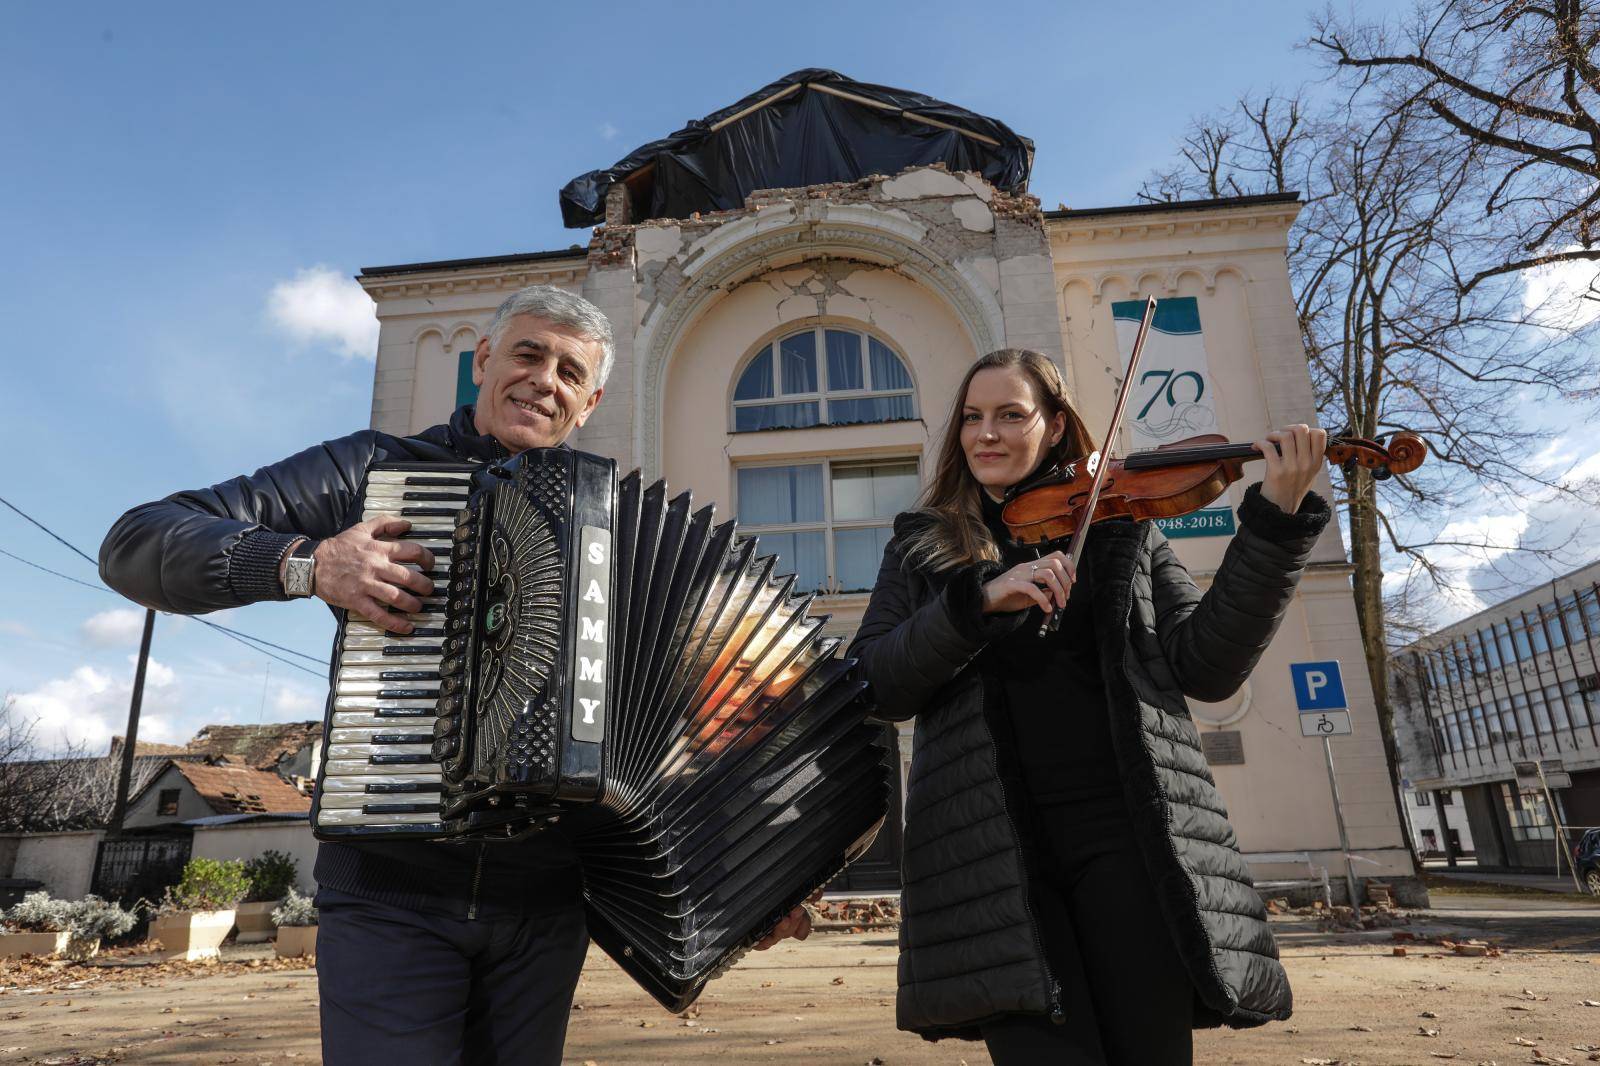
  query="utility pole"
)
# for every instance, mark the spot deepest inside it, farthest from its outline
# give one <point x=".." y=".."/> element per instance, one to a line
<point x="131" y="739"/>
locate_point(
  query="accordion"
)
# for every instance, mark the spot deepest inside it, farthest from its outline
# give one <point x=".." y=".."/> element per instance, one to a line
<point x="602" y="661"/>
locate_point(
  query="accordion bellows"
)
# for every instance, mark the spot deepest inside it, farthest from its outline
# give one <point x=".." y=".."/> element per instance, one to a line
<point x="604" y="661"/>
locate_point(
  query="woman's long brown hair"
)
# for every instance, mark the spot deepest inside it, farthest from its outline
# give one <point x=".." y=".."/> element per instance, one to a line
<point x="953" y="500"/>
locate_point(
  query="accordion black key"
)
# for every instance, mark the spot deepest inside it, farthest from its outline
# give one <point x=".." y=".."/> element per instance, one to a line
<point x="604" y="661"/>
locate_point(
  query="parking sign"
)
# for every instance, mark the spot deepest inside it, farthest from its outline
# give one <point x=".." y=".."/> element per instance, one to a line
<point x="1318" y="686"/>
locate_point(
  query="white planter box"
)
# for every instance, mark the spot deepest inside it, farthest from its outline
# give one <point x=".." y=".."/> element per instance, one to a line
<point x="295" y="941"/>
<point x="81" y="950"/>
<point x="255" y="921"/>
<point x="191" y="935"/>
<point x="41" y="944"/>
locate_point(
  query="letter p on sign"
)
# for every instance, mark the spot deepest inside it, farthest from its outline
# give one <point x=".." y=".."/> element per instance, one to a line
<point x="1318" y="686"/>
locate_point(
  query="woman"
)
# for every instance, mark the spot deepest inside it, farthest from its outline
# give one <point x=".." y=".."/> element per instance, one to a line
<point x="1073" y="892"/>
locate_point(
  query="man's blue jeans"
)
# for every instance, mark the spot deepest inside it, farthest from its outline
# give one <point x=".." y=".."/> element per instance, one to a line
<point x="401" y="987"/>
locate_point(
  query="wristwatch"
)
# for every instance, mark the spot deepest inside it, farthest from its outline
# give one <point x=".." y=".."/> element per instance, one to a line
<point x="300" y="570"/>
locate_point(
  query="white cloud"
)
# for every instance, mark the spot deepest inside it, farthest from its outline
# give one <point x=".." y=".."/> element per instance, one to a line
<point x="115" y="628"/>
<point x="90" y="706"/>
<point x="10" y="628"/>
<point x="1554" y="294"/>
<point x="297" y="702"/>
<point x="608" y="131"/>
<point x="1484" y="566"/>
<point x="322" y="306"/>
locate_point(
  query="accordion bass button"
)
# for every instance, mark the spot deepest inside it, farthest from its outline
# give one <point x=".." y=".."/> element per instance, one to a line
<point x="445" y="727"/>
<point x="445" y="747"/>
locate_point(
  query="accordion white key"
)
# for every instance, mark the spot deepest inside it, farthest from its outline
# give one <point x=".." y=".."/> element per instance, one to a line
<point x="600" y="660"/>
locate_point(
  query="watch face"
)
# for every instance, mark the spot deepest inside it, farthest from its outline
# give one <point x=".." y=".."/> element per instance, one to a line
<point x="297" y="577"/>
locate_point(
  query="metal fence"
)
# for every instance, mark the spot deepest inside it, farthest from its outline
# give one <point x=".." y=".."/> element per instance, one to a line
<point x="127" y="869"/>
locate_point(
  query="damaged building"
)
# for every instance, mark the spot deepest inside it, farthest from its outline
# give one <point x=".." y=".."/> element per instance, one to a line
<point x="797" y="284"/>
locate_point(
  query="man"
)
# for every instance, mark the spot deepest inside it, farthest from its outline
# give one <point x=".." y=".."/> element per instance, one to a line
<point x="427" y="953"/>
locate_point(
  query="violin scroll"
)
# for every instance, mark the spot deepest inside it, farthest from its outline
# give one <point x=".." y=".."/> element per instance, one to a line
<point x="1403" y="453"/>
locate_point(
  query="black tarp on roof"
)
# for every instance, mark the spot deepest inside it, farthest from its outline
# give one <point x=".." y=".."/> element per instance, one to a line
<point x="800" y="131"/>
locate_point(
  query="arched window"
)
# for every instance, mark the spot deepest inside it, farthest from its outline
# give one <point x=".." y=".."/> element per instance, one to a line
<point x="823" y="375"/>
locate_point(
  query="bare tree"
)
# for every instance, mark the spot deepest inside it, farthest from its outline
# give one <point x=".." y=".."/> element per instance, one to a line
<point x="44" y="790"/>
<point x="1519" y="82"/>
<point x="1394" y="340"/>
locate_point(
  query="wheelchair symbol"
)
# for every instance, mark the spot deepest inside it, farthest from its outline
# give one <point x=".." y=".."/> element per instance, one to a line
<point x="1323" y="725"/>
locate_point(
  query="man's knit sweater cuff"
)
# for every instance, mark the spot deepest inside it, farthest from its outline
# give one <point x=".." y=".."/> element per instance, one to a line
<point x="253" y="565"/>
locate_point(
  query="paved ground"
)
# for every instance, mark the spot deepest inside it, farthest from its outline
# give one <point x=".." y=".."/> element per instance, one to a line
<point x="830" y="999"/>
<point x="1545" y="882"/>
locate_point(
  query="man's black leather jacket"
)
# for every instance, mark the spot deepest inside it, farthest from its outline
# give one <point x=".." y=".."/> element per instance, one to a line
<point x="209" y="549"/>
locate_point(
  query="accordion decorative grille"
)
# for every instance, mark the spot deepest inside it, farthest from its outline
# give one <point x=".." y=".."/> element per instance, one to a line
<point x="525" y="578"/>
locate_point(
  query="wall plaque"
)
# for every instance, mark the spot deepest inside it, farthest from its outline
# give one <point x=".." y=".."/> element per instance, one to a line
<point x="1223" y="747"/>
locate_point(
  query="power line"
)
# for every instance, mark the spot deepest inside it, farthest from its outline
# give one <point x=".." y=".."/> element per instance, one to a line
<point x="56" y="573"/>
<point x="258" y="640"/>
<point x="243" y="638"/>
<point x="51" y="532"/>
<point x="232" y="635"/>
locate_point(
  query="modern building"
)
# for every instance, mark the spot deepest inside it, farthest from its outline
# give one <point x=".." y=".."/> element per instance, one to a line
<point x="1503" y="709"/>
<point x="791" y="353"/>
<point x="1438" y="825"/>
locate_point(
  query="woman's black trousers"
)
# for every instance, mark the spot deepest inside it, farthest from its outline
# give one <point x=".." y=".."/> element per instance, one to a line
<point x="1125" y="995"/>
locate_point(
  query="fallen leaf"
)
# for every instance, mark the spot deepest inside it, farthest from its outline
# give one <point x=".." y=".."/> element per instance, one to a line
<point x="1520" y="1042"/>
<point x="1427" y="1014"/>
<point x="838" y="980"/>
<point x="1361" y="1028"/>
<point x="1426" y="1032"/>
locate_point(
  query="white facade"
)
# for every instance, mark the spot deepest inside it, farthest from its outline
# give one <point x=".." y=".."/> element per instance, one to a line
<point x="940" y="268"/>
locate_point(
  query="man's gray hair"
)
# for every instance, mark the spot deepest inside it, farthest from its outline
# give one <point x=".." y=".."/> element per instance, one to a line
<point x="561" y="308"/>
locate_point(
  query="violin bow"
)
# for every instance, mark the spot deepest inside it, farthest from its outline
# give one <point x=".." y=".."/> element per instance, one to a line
<point x="1100" y="460"/>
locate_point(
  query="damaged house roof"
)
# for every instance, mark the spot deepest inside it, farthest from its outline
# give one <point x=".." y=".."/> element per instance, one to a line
<point x="229" y="788"/>
<point x="260" y="746"/>
<point x="811" y="127"/>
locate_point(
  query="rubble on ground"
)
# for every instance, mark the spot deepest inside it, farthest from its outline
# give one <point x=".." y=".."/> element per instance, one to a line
<point x="855" y="915"/>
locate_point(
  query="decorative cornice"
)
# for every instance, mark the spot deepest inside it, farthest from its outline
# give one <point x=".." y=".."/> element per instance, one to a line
<point x="473" y="279"/>
<point x="1165" y="277"/>
<point x="1070" y="228"/>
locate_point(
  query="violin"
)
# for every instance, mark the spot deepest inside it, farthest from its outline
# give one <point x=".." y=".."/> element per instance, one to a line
<point x="1174" y="479"/>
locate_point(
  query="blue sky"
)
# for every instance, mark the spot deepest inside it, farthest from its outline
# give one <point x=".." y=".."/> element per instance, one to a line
<point x="170" y="166"/>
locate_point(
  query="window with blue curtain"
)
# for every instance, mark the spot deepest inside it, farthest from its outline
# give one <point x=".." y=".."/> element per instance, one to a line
<point x="828" y="522"/>
<point x="466" y="391"/>
<point x="822" y="375"/>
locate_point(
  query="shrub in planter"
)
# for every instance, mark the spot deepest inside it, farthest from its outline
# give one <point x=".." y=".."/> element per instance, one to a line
<point x="208" y="885"/>
<point x="89" y="920"/>
<point x="36" y="926"/>
<point x="197" y="912"/>
<point x="296" y="919"/>
<point x="38" y="913"/>
<point x="271" y="875"/>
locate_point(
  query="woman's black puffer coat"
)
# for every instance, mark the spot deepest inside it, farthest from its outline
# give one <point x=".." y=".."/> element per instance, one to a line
<point x="969" y="947"/>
